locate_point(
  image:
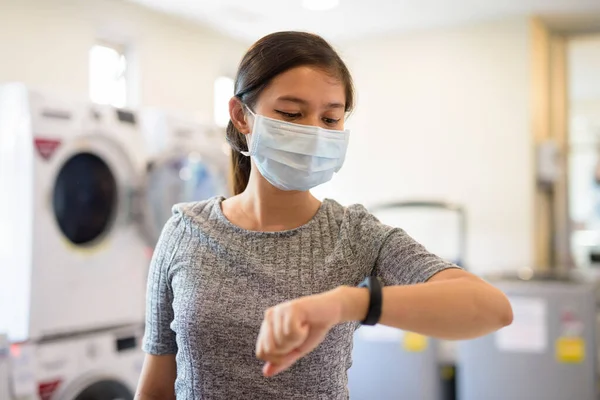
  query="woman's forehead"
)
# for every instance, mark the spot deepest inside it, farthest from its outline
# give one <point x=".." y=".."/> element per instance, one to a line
<point x="306" y="84"/>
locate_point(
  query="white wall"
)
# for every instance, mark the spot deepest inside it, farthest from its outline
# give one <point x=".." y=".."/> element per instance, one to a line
<point x="45" y="43"/>
<point x="584" y="68"/>
<point x="584" y="138"/>
<point x="445" y="115"/>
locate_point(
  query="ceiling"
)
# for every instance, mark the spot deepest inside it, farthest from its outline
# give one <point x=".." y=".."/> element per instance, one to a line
<point x="250" y="19"/>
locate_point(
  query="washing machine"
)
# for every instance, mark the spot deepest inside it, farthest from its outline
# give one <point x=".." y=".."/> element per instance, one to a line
<point x="549" y="352"/>
<point x="187" y="161"/>
<point x="72" y="255"/>
<point x="4" y="371"/>
<point x="103" y="365"/>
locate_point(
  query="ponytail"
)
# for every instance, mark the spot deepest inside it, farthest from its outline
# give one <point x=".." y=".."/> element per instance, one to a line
<point x="240" y="164"/>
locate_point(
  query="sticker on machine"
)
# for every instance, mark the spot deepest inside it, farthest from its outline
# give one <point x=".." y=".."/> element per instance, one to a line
<point x="570" y="346"/>
<point x="528" y="332"/>
<point x="46" y="147"/>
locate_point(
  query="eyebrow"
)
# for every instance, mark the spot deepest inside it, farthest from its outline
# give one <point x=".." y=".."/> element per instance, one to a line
<point x="298" y="100"/>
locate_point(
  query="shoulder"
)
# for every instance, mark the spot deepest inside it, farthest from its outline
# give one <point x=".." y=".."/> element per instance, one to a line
<point x="197" y="211"/>
<point x="180" y="225"/>
<point x="354" y="217"/>
<point x="359" y="230"/>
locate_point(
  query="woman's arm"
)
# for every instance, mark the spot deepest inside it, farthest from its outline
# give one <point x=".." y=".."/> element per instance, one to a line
<point x="453" y="305"/>
<point x="157" y="381"/>
<point x="423" y="293"/>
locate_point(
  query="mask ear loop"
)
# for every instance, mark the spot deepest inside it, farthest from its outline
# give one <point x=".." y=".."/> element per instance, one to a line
<point x="249" y="135"/>
<point x="249" y="110"/>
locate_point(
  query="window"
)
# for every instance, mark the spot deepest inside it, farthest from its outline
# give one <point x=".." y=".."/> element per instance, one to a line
<point x="108" y="75"/>
<point x="223" y="91"/>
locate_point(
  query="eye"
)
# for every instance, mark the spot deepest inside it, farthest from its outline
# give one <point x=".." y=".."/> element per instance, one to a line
<point x="331" y="121"/>
<point x="287" y="114"/>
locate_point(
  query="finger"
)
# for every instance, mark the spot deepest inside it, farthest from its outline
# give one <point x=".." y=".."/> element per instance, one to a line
<point x="272" y="369"/>
<point x="293" y="332"/>
<point x="269" y="369"/>
<point x="287" y="322"/>
<point x="272" y="352"/>
<point x="264" y="341"/>
<point x="269" y="339"/>
<point x="265" y="344"/>
<point x="285" y="338"/>
<point x="277" y="329"/>
<point x="313" y="339"/>
<point x="278" y="365"/>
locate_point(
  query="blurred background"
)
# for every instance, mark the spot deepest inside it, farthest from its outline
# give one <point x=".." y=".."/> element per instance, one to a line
<point x="476" y="129"/>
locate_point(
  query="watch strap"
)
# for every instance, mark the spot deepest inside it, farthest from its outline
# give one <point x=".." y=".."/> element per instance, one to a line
<point x="373" y="284"/>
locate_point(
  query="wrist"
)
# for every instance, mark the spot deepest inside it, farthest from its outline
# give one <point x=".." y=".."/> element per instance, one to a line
<point x="353" y="303"/>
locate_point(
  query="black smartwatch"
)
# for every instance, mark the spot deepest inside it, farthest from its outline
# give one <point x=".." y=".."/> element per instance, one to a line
<point x="375" y="300"/>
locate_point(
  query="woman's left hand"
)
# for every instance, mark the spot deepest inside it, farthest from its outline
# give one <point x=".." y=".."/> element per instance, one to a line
<point x="293" y="329"/>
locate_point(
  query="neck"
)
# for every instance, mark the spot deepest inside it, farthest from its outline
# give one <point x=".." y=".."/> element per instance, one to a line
<point x="272" y="208"/>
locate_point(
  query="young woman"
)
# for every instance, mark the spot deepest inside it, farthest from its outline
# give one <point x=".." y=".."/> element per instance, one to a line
<point x="257" y="296"/>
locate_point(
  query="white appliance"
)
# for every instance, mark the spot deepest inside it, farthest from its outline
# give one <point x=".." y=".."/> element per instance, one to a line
<point x="104" y="365"/>
<point x="188" y="161"/>
<point x="71" y="254"/>
<point x="4" y="371"/>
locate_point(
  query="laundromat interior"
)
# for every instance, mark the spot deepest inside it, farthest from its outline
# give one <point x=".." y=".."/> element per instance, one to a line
<point x="476" y="130"/>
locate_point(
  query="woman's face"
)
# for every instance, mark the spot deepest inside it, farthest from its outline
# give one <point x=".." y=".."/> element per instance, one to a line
<point x="304" y="95"/>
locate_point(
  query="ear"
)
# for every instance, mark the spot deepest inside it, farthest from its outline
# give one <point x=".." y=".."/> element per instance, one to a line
<point x="238" y="115"/>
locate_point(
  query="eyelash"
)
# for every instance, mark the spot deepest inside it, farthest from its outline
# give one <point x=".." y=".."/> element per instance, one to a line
<point x="328" y="121"/>
<point x="289" y="115"/>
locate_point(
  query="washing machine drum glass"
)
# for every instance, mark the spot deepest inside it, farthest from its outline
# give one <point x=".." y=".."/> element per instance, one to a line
<point x="180" y="179"/>
<point x="84" y="198"/>
<point x="105" y="390"/>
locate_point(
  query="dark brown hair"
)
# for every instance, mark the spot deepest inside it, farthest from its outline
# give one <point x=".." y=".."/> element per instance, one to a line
<point x="267" y="58"/>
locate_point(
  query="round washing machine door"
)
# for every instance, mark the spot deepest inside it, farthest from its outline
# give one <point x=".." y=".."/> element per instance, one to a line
<point x="105" y="390"/>
<point x="94" y="187"/>
<point x="84" y="198"/>
<point x="181" y="177"/>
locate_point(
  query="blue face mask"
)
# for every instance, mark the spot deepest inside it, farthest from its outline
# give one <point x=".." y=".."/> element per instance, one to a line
<point x="295" y="157"/>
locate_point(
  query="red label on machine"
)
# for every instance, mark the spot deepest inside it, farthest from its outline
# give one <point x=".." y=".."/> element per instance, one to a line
<point x="47" y="389"/>
<point x="571" y="324"/>
<point x="46" y="147"/>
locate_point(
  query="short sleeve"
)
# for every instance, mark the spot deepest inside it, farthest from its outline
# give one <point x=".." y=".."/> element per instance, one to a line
<point x="395" y="257"/>
<point x="159" y="338"/>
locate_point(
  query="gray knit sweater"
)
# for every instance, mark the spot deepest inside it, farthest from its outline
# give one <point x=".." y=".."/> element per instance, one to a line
<point x="211" y="281"/>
